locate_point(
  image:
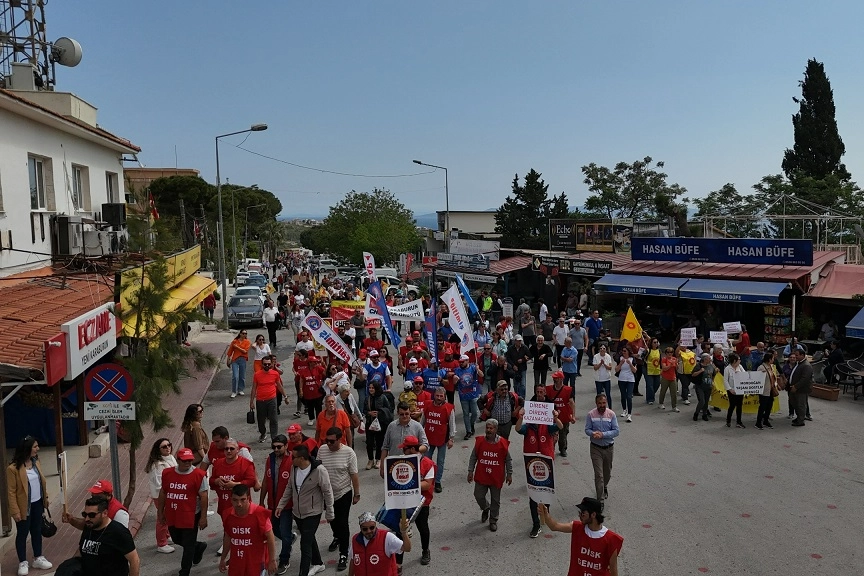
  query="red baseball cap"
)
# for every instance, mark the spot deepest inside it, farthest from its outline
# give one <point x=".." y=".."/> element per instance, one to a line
<point x="417" y="348"/>
<point x="410" y="441"/>
<point x="185" y="454"/>
<point x="294" y="428"/>
<point x="102" y="487"/>
<point x="418" y="379"/>
<point x="558" y="374"/>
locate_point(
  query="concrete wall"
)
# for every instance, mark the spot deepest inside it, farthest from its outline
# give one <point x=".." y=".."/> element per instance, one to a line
<point x="470" y="222"/>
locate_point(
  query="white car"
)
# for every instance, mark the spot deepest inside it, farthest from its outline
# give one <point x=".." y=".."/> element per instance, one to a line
<point x="240" y="278"/>
<point x="250" y="291"/>
<point x="410" y="291"/>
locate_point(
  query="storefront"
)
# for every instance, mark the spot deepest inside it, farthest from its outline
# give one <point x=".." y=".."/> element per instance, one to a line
<point x="507" y="275"/>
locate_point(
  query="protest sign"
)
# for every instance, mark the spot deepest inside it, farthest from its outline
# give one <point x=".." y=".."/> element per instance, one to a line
<point x="326" y="336"/>
<point x="539" y="413"/>
<point x="410" y="311"/>
<point x="402" y="481"/>
<point x="688" y="334"/>
<point x="718" y="337"/>
<point x="732" y="327"/>
<point x="749" y="382"/>
<point x="720" y="398"/>
<point x="540" y="476"/>
<point x="458" y="318"/>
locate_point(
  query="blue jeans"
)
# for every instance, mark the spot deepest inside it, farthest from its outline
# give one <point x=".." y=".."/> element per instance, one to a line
<point x="469" y="414"/>
<point x="362" y="396"/>
<point x="439" y="461"/>
<point x="604" y="387"/>
<point x="626" y="395"/>
<point x="32" y="526"/>
<point x="652" y="384"/>
<point x="569" y="378"/>
<point x="282" y="531"/>
<point x="519" y="383"/>
<point x="238" y="375"/>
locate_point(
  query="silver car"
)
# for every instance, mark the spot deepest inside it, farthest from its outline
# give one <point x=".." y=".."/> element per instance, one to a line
<point x="245" y="311"/>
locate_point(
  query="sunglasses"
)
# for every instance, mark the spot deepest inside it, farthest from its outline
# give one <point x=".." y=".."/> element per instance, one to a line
<point x="277" y="446"/>
<point x="331" y="442"/>
<point x="90" y="515"/>
<point x="367" y="528"/>
<point x="230" y="449"/>
<point x="266" y="365"/>
<point x="163" y="446"/>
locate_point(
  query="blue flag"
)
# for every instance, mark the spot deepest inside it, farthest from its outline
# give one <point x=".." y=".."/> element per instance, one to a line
<point x="432" y="331"/>
<point x="472" y="306"/>
<point x="380" y="303"/>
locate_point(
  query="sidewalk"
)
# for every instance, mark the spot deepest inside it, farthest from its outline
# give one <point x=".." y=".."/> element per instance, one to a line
<point x="65" y="543"/>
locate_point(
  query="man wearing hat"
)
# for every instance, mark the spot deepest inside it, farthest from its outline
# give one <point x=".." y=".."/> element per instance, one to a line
<point x="373" y="550"/>
<point x="468" y="380"/>
<point x="439" y="423"/>
<point x="116" y="511"/>
<point x="493" y="465"/>
<point x="375" y="371"/>
<point x="411" y="446"/>
<point x="422" y="397"/>
<point x="593" y="547"/>
<point x="565" y="404"/>
<point x="517" y="357"/>
<point x="403" y="351"/>
<point x="182" y="499"/>
<point x="296" y="437"/>
<point x="413" y="370"/>
<point x="277" y="473"/>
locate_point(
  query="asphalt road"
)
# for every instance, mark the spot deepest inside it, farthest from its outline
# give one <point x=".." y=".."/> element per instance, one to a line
<point x="688" y="498"/>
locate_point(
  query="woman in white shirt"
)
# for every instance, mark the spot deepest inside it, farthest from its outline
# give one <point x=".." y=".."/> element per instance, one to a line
<point x="160" y="459"/>
<point x="736" y="401"/>
<point x="296" y="320"/>
<point x="335" y="377"/>
<point x="261" y="349"/>
<point x="626" y="380"/>
<point x="603" y="372"/>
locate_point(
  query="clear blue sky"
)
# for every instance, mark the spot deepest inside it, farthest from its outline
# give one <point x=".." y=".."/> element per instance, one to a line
<point x="487" y="89"/>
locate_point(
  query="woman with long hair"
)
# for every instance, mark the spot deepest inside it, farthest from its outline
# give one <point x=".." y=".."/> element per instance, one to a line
<point x="626" y="380"/>
<point x="335" y="376"/>
<point x="262" y="350"/>
<point x="766" y="399"/>
<point x="194" y="436"/>
<point x="28" y="499"/>
<point x="378" y="406"/>
<point x="499" y="347"/>
<point x="652" y="370"/>
<point x="736" y="401"/>
<point x="385" y="357"/>
<point x="238" y="356"/>
<point x="296" y="320"/>
<point x="160" y="459"/>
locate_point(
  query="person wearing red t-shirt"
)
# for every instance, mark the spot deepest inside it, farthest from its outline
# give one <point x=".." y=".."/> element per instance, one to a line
<point x="248" y="537"/>
<point x="311" y="381"/>
<point x="373" y="342"/>
<point x="265" y="385"/>
<point x="493" y="465"/>
<point x="565" y="404"/>
<point x="403" y="354"/>
<point x="229" y="472"/>
<point x="296" y="437"/>
<point x="423" y="397"/>
<point x="301" y="359"/>
<point x="182" y="499"/>
<point x="539" y="439"/>
<point x="448" y="378"/>
<point x="409" y="446"/>
<point x="593" y="547"/>
<point x="216" y="450"/>
<point x="669" y="378"/>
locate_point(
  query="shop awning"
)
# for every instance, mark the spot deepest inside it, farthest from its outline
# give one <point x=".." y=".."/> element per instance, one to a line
<point x="732" y="291"/>
<point x="855" y="327"/>
<point x="188" y="294"/>
<point x="631" y="284"/>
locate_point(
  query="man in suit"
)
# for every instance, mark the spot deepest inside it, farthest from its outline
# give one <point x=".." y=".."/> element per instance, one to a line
<point x="800" y="384"/>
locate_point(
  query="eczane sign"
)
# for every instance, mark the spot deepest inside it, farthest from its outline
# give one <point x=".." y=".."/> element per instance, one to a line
<point x="88" y="337"/>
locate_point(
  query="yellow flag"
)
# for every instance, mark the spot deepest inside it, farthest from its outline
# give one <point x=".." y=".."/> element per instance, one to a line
<point x="632" y="330"/>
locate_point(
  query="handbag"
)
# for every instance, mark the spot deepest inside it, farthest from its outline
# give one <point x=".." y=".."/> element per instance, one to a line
<point x="49" y="529"/>
<point x="250" y="417"/>
<point x="374" y="426"/>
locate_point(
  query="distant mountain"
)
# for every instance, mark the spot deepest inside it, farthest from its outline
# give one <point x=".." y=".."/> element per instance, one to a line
<point x="427" y="220"/>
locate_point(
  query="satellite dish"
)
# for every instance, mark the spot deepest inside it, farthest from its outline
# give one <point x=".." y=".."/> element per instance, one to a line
<point x="66" y="52"/>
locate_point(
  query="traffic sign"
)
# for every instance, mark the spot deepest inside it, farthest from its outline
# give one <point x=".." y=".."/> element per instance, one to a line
<point x="109" y="411"/>
<point x="108" y="383"/>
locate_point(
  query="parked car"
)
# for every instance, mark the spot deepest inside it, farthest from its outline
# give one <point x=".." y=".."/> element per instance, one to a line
<point x="245" y="311"/>
<point x="259" y="281"/>
<point x="251" y="291"/>
<point x="326" y="265"/>
<point x="393" y="282"/>
<point x="240" y="279"/>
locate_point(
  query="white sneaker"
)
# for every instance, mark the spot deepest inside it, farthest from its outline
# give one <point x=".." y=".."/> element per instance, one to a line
<point x="675" y="409"/>
<point x="23" y="568"/>
<point x="686" y="402"/>
<point x="311" y="423"/>
<point x="316" y="569"/>
<point x="233" y="394"/>
<point x="624" y="414"/>
<point x="242" y="393"/>
<point x="167" y="549"/>
<point x="662" y="406"/>
<point x="629" y="418"/>
<point x="41" y="563"/>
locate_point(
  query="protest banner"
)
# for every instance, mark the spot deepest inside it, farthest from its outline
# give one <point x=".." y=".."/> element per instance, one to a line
<point x="540" y="476"/>
<point x="539" y="413"/>
<point x="458" y="318"/>
<point x="732" y="327"/>
<point x="431" y="323"/>
<point x="326" y="336"/>
<point x="688" y="334"/>
<point x="472" y="306"/>
<point x="718" y="337"/>
<point x="369" y="265"/>
<point x="381" y="304"/>
<point x="341" y="312"/>
<point x="720" y="398"/>
<point x="410" y="311"/>
<point x="402" y="482"/>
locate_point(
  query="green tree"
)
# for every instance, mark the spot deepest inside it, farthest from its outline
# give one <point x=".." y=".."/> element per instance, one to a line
<point x="523" y="219"/>
<point x="718" y="206"/>
<point x="375" y="222"/>
<point x="818" y="147"/>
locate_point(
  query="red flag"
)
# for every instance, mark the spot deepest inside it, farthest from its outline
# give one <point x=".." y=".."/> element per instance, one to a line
<point x="197" y="230"/>
<point x="153" y="211"/>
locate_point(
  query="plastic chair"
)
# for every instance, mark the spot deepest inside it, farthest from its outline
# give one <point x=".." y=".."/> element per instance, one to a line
<point x="847" y="379"/>
<point x="819" y="372"/>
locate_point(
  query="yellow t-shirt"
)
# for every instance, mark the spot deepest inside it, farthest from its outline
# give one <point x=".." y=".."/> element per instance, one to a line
<point x="652" y="362"/>
<point x="688" y="361"/>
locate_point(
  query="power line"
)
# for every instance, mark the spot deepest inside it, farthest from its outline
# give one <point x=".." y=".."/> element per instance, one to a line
<point x="331" y="171"/>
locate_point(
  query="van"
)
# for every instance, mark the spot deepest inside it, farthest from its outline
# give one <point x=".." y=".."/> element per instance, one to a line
<point x="254" y="267"/>
<point x="327" y="265"/>
<point x="382" y="272"/>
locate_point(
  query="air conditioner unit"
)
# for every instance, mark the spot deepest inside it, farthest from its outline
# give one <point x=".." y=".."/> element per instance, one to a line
<point x="97" y="243"/>
<point x="115" y="215"/>
<point x="67" y="235"/>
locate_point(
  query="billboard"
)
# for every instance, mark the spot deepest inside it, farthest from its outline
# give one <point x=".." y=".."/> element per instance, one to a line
<point x="591" y="236"/>
<point x="777" y="252"/>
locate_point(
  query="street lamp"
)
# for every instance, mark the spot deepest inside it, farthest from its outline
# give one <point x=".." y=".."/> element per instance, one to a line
<point x="447" y="205"/>
<point x="222" y="269"/>
<point x="246" y="227"/>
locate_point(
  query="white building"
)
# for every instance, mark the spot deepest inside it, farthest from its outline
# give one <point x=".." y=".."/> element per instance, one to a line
<point x="55" y="160"/>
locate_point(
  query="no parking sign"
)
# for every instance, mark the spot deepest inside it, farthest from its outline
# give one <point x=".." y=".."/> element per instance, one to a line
<point x="108" y="383"/>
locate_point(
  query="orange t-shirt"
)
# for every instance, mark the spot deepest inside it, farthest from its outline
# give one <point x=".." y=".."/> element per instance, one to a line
<point x="325" y="422"/>
<point x="265" y="383"/>
<point x="669" y="367"/>
<point x="239" y="349"/>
